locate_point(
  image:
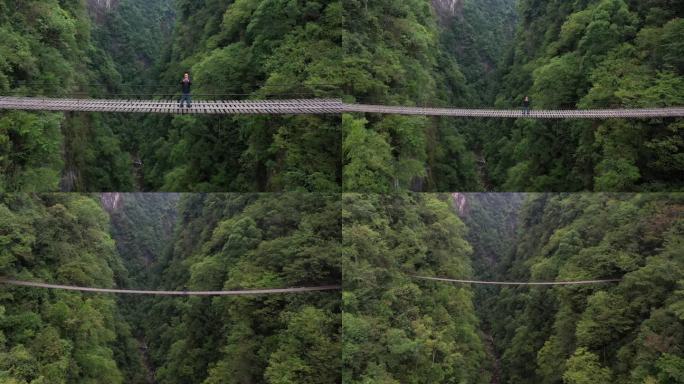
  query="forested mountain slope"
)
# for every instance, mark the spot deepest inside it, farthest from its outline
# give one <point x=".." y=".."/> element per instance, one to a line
<point x="492" y="222"/>
<point x="219" y="242"/>
<point x="409" y="53"/>
<point x="135" y="49"/>
<point x="477" y="34"/>
<point x="398" y="329"/>
<point x="143" y="225"/>
<point x="250" y="49"/>
<point x="592" y="54"/>
<point x="47" y="49"/>
<point x="242" y="241"/>
<point x="565" y="54"/>
<point x="57" y="337"/>
<point x="631" y="331"/>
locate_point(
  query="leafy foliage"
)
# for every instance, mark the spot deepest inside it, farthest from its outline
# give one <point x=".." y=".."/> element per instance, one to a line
<point x="626" y="332"/>
<point x="61" y="337"/>
<point x="252" y="49"/>
<point x="398" y="329"/>
<point x="243" y="241"/>
<point x="48" y="50"/>
<point x="395" y="52"/>
<point x="591" y="54"/>
<point x="220" y="242"/>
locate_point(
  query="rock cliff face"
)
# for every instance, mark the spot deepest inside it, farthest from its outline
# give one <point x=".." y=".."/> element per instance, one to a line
<point x="447" y="9"/>
<point x="98" y="9"/>
<point x="460" y="202"/>
<point x="111" y="201"/>
<point x="105" y="5"/>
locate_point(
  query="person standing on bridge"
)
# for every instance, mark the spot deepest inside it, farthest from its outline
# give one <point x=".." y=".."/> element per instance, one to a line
<point x="526" y="106"/>
<point x="185" y="88"/>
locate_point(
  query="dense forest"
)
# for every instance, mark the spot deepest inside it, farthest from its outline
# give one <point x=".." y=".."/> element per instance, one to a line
<point x="140" y="49"/>
<point x="249" y="241"/>
<point x="249" y="49"/>
<point x="468" y="53"/>
<point x="409" y="53"/>
<point x="592" y="54"/>
<point x="400" y="329"/>
<point x="48" y="50"/>
<point x="631" y="331"/>
<point x="60" y="336"/>
<point x="166" y="241"/>
<point x="565" y="54"/>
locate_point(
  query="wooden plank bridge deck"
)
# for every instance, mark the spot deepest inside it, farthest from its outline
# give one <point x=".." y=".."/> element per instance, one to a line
<point x="510" y="113"/>
<point x="225" y="107"/>
<point x="312" y="106"/>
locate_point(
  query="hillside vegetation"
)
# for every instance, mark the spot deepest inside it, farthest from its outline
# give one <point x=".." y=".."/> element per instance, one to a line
<point x="243" y="241"/>
<point x="631" y="331"/>
<point x="217" y="242"/>
<point x="233" y="49"/>
<point x="398" y="329"/>
<point x="592" y="54"/>
<point x="564" y="55"/>
<point x="61" y="336"/>
<point x="397" y="52"/>
<point x="249" y="49"/>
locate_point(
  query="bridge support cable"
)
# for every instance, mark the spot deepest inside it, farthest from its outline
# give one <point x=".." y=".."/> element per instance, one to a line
<point x="547" y="283"/>
<point x="245" y="292"/>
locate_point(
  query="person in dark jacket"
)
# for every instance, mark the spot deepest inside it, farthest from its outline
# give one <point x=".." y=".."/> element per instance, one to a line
<point x="185" y="88"/>
<point x="526" y="106"/>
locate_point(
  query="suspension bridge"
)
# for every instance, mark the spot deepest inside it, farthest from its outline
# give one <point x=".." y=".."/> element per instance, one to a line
<point x="225" y="107"/>
<point x="538" y="283"/>
<point x="311" y="106"/>
<point x="245" y="292"/>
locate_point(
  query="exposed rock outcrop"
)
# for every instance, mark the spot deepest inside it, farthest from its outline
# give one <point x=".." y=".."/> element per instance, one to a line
<point x="447" y="9"/>
<point x="111" y="201"/>
<point x="98" y="9"/>
<point x="460" y="202"/>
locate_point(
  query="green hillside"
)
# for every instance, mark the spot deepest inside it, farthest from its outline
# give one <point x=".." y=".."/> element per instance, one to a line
<point x="564" y="55"/>
<point x="132" y="49"/>
<point x="156" y="242"/>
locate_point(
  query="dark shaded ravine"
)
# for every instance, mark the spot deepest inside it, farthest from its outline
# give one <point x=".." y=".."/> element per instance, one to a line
<point x="150" y="369"/>
<point x="492" y="222"/>
<point x="493" y="357"/>
<point x="142" y="225"/>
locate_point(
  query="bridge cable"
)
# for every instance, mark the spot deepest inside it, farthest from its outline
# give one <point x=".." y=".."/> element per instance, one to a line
<point x="170" y="293"/>
<point x="576" y="282"/>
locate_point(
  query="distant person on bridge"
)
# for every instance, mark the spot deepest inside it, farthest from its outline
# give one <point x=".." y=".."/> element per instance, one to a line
<point x="526" y="106"/>
<point x="185" y="87"/>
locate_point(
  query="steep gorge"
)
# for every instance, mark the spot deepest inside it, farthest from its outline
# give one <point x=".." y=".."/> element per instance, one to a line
<point x="627" y="332"/>
<point x="167" y="241"/>
<point x="139" y="49"/>
<point x="411" y="53"/>
<point x="564" y="55"/>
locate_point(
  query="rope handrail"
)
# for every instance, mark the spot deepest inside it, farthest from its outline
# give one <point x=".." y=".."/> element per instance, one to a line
<point x="576" y="282"/>
<point x="170" y="293"/>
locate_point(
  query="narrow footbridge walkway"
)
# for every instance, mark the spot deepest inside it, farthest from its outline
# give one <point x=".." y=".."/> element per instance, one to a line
<point x="311" y="106"/>
<point x="512" y="113"/>
<point x="226" y="107"/>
